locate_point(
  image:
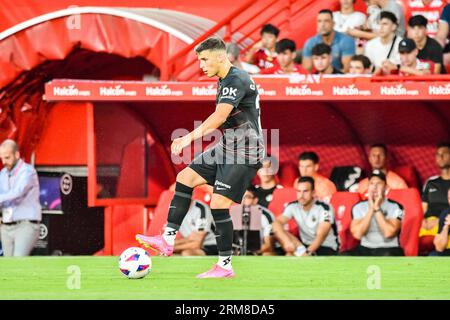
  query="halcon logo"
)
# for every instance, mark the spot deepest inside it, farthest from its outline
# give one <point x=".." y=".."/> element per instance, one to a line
<point x="350" y="90"/>
<point x="70" y="91"/>
<point x="264" y="92"/>
<point x="439" y="90"/>
<point x="397" y="90"/>
<point x="303" y="90"/>
<point x="117" y="90"/>
<point x="162" y="90"/>
<point x="210" y="90"/>
<point x="229" y="91"/>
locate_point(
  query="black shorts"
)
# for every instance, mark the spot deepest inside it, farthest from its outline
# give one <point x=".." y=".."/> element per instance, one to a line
<point x="378" y="252"/>
<point x="228" y="180"/>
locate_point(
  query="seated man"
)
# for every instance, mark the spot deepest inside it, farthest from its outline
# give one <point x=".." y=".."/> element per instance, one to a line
<point x="409" y="64"/>
<point x="360" y="64"/>
<point x="342" y="46"/>
<point x="267" y="218"/>
<point x="322" y="60"/>
<point x="434" y="199"/>
<point x="378" y="155"/>
<point x="315" y="220"/>
<point x="197" y="230"/>
<point x="268" y="184"/>
<point x="429" y="49"/>
<point x="347" y="18"/>
<point x="233" y="53"/>
<point x="308" y="166"/>
<point x="377" y="221"/>
<point x="263" y="54"/>
<point x="286" y="52"/>
<point x="442" y="239"/>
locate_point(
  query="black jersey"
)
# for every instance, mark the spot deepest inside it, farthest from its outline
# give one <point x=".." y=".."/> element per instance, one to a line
<point x="242" y="141"/>
<point x="435" y="194"/>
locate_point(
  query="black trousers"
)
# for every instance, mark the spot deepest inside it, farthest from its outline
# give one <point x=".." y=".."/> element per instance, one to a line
<point x="377" y="252"/>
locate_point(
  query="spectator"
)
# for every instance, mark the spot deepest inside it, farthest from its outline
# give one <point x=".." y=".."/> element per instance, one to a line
<point x="285" y="49"/>
<point x="19" y="201"/>
<point x="347" y="18"/>
<point x="429" y="49"/>
<point x="434" y="198"/>
<point x="308" y="166"/>
<point x="266" y="174"/>
<point x="377" y="221"/>
<point x="197" y="231"/>
<point x="429" y="9"/>
<point x="267" y="218"/>
<point x="409" y="64"/>
<point x="384" y="47"/>
<point x="360" y="64"/>
<point x="378" y="156"/>
<point x="322" y="60"/>
<point x="374" y="10"/>
<point x="263" y="54"/>
<point x="233" y="53"/>
<point x="342" y="46"/>
<point x="442" y="35"/>
<point x="315" y="220"/>
<point x="442" y="239"/>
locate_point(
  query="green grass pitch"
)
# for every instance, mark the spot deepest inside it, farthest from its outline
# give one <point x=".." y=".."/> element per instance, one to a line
<point x="257" y="278"/>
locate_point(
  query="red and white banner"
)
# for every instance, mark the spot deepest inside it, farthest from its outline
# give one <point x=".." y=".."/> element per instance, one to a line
<point x="90" y="90"/>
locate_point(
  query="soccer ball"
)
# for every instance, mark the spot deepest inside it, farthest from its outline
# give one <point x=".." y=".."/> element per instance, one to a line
<point x="135" y="263"/>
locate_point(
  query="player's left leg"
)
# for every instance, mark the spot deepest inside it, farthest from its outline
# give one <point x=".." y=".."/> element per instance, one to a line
<point x="220" y="209"/>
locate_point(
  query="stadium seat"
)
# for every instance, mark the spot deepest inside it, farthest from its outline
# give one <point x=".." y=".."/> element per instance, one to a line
<point x="281" y="197"/>
<point x="343" y="203"/>
<point x="412" y="220"/>
<point x="287" y="174"/>
<point x="409" y="174"/>
<point x="160" y="213"/>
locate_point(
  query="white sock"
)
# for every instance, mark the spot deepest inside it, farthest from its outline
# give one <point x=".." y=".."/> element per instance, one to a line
<point x="169" y="235"/>
<point x="225" y="262"/>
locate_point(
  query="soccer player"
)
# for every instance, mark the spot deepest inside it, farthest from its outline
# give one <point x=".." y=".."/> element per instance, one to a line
<point x="229" y="166"/>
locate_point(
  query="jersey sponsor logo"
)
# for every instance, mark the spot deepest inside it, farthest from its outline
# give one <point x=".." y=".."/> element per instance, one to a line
<point x="432" y="190"/>
<point x="397" y="90"/>
<point x="70" y="91"/>
<point x="114" y="91"/>
<point x="229" y="91"/>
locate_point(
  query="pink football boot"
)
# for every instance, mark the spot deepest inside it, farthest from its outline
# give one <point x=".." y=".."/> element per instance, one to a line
<point x="217" y="272"/>
<point x="156" y="243"/>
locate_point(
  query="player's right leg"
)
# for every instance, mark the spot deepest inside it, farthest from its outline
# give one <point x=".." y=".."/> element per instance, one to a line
<point x="187" y="180"/>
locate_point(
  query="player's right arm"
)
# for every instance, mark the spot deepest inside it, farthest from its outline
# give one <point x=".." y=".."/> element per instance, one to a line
<point x="214" y="121"/>
<point x="359" y="226"/>
<point x="278" y="229"/>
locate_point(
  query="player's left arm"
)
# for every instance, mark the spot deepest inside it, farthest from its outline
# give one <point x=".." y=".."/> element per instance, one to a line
<point x="389" y="227"/>
<point x="322" y="232"/>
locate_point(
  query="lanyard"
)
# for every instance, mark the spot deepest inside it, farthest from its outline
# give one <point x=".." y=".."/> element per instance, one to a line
<point x="13" y="177"/>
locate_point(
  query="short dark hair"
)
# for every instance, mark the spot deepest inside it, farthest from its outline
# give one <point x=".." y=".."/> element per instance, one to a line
<point x="443" y="144"/>
<point x="309" y="180"/>
<point x="320" y="49"/>
<point x="328" y="11"/>
<point x="379" y="145"/>
<point x="285" y="44"/>
<point x="389" y="15"/>
<point x="418" y="20"/>
<point x="270" y="28"/>
<point x="309" y="155"/>
<point x="363" y="59"/>
<point x="252" y="190"/>
<point x="212" y="43"/>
